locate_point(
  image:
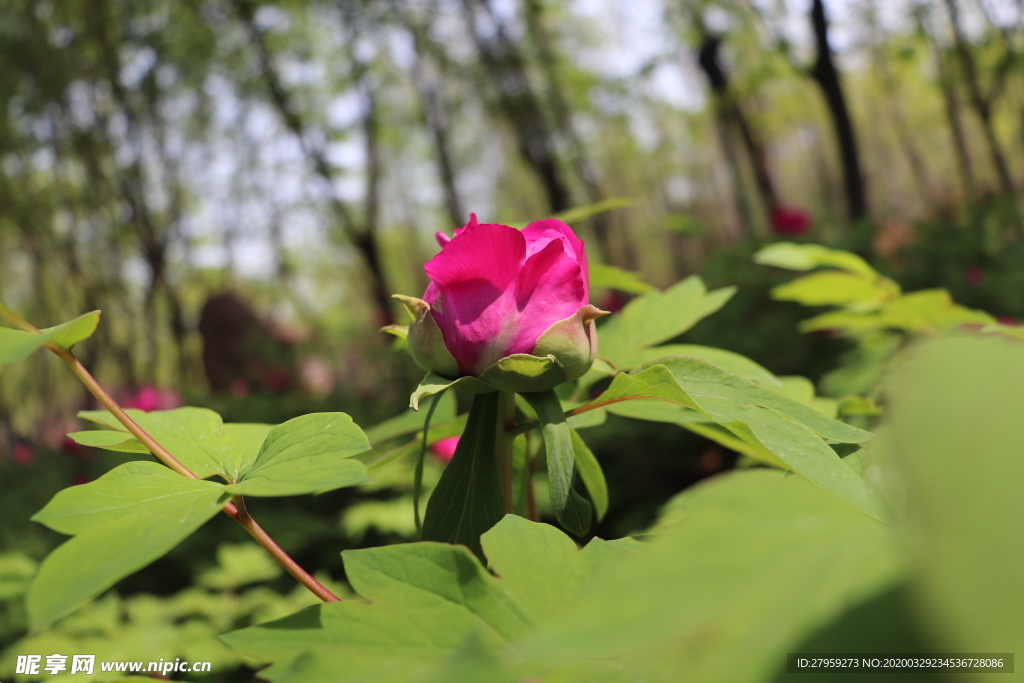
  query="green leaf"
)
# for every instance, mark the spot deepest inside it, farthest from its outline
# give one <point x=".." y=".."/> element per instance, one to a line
<point x="434" y="384"/>
<point x="591" y="474"/>
<point x="238" y="565"/>
<point x="602" y="275"/>
<point x="79" y="329"/>
<point x="427" y="601"/>
<point x="657" y="317"/>
<point x="835" y="288"/>
<point x="18" y="344"/>
<point x="789" y="431"/>
<point x="308" y="454"/>
<point x="572" y="510"/>
<point x="742" y="568"/>
<point x="16" y="572"/>
<point x="468" y="499"/>
<point x="794" y="256"/>
<point x="109" y="439"/>
<point x="582" y="213"/>
<point x="727" y="360"/>
<point x="195" y="436"/>
<point x="121" y="522"/>
<point x="955" y="438"/>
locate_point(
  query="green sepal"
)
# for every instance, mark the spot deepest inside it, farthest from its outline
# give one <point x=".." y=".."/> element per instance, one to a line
<point x="572" y="342"/>
<point x="572" y="510"/>
<point x="426" y="343"/>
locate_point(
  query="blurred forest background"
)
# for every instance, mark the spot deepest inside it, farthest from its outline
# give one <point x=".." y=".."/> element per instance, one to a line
<point x="240" y="186"/>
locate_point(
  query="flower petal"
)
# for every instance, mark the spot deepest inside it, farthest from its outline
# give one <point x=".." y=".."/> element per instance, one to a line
<point x="550" y="288"/>
<point x="539" y="234"/>
<point x="471" y="295"/>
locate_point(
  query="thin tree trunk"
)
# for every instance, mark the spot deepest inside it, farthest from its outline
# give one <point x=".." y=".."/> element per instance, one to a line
<point x="718" y="80"/>
<point x="825" y="74"/>
<point x="432" y="112"/>
<point x="562" y="114"/>
<point x="982" y="104"/>
<point x="518" y="103"/>
<point x="362" y="238"/>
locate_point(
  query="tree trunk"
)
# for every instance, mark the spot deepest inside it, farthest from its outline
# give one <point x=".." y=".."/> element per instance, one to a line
<point x="518" y="103"/>
<point x="825" y="74"/>
<point x="982" y="104"/>
<point x="362" y="238"/>
<point x="718" y="80"/>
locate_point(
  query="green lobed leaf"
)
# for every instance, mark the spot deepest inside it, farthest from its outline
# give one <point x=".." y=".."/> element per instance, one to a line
<point x="195" y="436"/>
<point x="429" y="605"/>
<point x="656" y="317"/>
<point x="468" y="499"/>
<point x="121" y="522"/>
<point x="790" y="431"/>
<point x="572" y="510"/>
<point x="741" y="568"/>
<point x="308" y="454"/>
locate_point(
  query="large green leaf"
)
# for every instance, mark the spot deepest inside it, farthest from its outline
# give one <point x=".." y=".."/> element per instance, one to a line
<point x="572" y="510"/>
<point x="121" y="522"/>
<point x="428" y="600"/>
<point x="790" y="431"/>
<point x="740" y="570"/>
<point x="17" y="344"/>
<point x="308" y="454"/>
<point x="657" y="317"/>
<point x="747" y="564"/>
<point x="468" y="499"/>
<point x="955" y="437"/>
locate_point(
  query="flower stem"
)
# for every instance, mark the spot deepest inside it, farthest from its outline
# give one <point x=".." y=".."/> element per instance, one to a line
<point x="236" y="511"/>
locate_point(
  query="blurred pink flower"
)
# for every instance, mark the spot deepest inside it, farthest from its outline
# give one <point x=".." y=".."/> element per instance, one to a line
<point x="23" y="453"/>
<point x="444" y="449"/>
<point x="150" y="398"/>
<point x="975" y="274"/>
<point x="790" y="221"/>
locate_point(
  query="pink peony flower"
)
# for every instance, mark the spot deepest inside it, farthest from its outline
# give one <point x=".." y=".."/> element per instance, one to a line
<point x="790" y="221"/>
<point x="444" y="449"/>
<point x="496" y="291"/>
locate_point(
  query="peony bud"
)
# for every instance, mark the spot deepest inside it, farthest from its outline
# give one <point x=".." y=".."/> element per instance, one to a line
<point x="507" y="306"/>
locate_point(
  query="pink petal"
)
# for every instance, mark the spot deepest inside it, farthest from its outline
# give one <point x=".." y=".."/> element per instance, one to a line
<point x="471" y="224"/>
<point x="539" y="234"/>
<point x="550" y="288"/>
<point x="442" y="239"/>
<point x="471" y="293"/>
